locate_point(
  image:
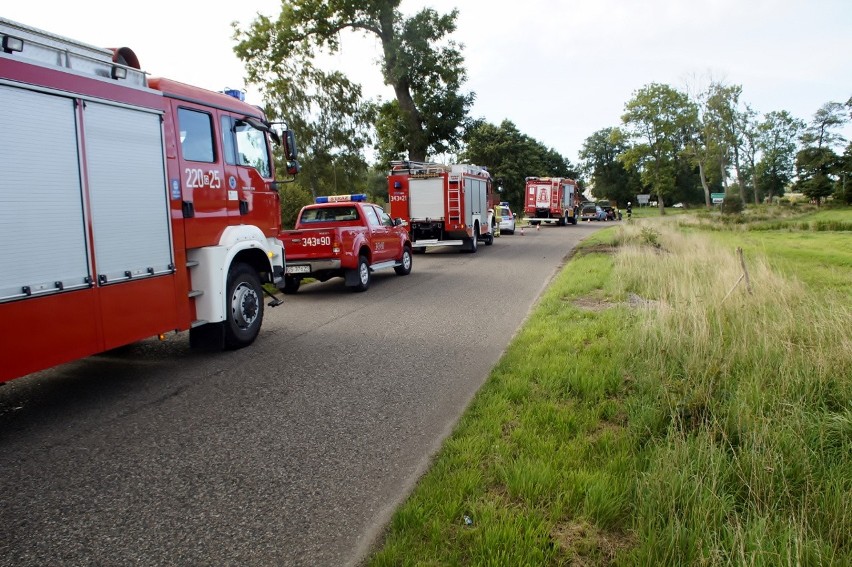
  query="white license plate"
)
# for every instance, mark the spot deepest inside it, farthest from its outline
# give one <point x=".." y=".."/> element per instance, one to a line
<point x="298" y="269"/>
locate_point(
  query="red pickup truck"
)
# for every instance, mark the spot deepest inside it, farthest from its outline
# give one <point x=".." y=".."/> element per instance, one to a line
<point x="344" y="236"/>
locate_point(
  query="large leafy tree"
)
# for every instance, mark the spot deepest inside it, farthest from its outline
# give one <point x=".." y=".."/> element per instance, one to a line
<point x="707" y="145"/>
<point x="511" y="156"/>
<point x="659" y="118"/>
<point x="424" y="67"/>
<point x="777" y="134"/>
<point x="332" y="123"/>
<point x="732" y="121"/>
<point x="610" y="178"/>
<point x="817" y="164"/>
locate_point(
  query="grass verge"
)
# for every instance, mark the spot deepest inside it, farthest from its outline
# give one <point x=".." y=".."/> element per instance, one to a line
<point x="654" y="412"/>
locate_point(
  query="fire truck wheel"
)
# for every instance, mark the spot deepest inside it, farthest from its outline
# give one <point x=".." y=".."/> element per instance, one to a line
<point x="363" y="275"/>
<point x="244" y="308"/>
<point x="489" y="239"/>
<point x="405" y="266"/>
<point x="291" y="285"/>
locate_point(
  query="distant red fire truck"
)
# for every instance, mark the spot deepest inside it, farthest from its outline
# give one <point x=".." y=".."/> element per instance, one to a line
<point x="551" y="200"/>
<point x="129" y="207"/>
<point x="444" y="205"/>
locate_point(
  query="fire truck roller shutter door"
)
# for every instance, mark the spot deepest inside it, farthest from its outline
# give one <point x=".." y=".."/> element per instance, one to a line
<point x="40" y="126"/>
<point x="129" y="192"/>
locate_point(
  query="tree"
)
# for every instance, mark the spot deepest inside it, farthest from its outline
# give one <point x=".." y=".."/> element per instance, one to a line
<point x="844" y="186"/>
<point x="731" y="121"/>
<point x="659" y="118"/>
<point x="821" y="131"/>
<point x="609" y="177"/>
<point x="776" y="142"/>
<point x="511" y="156"/>
<point x="331" y="120"/>
<point x="423" y="67"/>
<point x="817" y="164"/>
<point x="707" y="143"/>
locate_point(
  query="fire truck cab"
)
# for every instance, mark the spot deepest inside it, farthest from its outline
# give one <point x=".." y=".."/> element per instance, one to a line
<point x="130" y="207"/>
<point x="444" y="205"/>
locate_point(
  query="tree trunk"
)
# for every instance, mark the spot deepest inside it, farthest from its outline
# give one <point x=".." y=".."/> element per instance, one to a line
<point x="754" y="184"/>
<point x="740" y="179"/>
<point x="704" y="184"/>
<point x="416" y="142"/>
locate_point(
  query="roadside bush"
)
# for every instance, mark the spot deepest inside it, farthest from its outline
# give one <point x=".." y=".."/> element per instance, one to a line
<point x="732" y="205"/>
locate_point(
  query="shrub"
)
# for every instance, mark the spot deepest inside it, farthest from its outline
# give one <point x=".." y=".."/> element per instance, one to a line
<point x="732" y="205"/>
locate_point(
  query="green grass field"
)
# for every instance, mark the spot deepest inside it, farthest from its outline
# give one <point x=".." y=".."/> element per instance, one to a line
<point x="653" y="411"/>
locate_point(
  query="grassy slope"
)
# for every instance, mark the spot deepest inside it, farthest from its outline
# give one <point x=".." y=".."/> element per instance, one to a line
<point x="653" y="412"/>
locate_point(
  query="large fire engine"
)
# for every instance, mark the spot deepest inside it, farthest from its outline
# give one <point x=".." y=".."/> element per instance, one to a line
<point x="444" y="205"/>
<point x="129" y="207"/>
<point x="551" y="200"/>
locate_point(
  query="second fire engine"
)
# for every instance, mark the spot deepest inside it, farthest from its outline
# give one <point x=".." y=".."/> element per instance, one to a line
<point x="444" y="205"/>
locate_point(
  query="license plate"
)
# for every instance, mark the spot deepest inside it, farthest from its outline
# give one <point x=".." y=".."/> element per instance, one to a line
<point x="298" y="269"/>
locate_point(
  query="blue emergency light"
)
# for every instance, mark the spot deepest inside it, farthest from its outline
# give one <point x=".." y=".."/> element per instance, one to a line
<point x="342" y="198"/>
<point x="237" y="94"/>
<point x="504" y="203"/>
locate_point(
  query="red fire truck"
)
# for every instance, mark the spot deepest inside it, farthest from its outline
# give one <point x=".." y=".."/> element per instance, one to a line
<point x="551" y="200"/>
<point x="129" y="207"/>
<point x="444" y="205"/>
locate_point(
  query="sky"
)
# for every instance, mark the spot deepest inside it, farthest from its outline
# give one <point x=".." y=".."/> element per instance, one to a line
<point x="559" y="70"/>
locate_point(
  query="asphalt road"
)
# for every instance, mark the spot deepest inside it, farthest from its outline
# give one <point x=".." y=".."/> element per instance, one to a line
<point x="294" y="451"/>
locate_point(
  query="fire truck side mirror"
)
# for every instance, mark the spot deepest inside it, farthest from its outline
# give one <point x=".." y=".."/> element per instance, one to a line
<point x="290" y="151"/>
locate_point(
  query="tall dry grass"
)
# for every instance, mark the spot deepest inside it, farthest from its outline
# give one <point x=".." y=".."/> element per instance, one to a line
<point x="744" y="406"/>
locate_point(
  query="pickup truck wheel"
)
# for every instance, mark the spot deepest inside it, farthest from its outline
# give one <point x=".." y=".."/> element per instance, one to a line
<point x="244" y="306"/>
<point x="405" y="263"/>
<point x="363" y="275"/>
<point x="291" y="285"/>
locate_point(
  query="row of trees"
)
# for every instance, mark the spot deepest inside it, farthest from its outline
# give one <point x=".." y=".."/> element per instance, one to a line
<point x="682" y="147"/>
<point x="678" y="146"/>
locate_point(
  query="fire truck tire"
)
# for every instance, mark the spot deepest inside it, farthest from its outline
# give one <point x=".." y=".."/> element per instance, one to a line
<point x="244" y="314"/>
<point x="489" y="239"/>
<point x="405" y="263"/>
<point x="291" y="285"/>
<point x="363" y="272"/>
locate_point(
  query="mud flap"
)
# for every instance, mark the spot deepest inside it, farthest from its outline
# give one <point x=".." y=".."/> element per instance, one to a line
<point x="351" y="278"/>
<point x="208" y="337"/>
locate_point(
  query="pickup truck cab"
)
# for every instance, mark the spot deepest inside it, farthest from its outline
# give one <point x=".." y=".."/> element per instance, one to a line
<point x="344" y="236"/>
